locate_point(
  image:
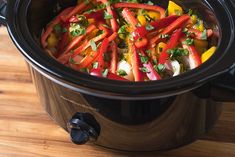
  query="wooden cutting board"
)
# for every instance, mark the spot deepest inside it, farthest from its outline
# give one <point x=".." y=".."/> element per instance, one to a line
<point x="27" y="131"/>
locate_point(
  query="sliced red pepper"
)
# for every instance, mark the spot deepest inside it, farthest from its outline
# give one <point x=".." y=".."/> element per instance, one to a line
<point x="136" y="65"/>
<point x="95" y="39"/>
<point x="141" y="32"/>
<point x="97" y="15"/>
<point x="114" y="58"/>
<point x="78" y="39"/>
<point x="51" y="26"/>
<point x="152" y="73"/>
<point x="102" y="50"/>
<point x="164" y="22"/>
<point x="113" y="36"/>
<point x="141" y="6"/>
<point x="128" y="16"/>
<point x="198" y="34"/>
<point x="93" y="56"/>
<point x="141" y="43"/>
<point x="113" y="76"/>
<point x="179" y="23"/>
<point x="96" y="72"/>
<point x="170" y="45"/>
<point x="194" y="57"/>
<point x="78" y="9"/>
<point x="113" y="20"/>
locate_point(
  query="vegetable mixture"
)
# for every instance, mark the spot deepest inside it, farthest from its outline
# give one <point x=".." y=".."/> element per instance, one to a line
<point x="128" y="41"/>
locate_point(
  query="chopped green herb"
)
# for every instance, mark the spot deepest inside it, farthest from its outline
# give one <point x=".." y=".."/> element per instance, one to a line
<point x="93" y="45"/>
<point x="163" y="36"/>
<point x="178" y="12"/>
<point x="150" y="3"/>
<point x="122" y="57"/>
<point x="148" y="51"/>
<point x="71" y="60"/>
<point x="76" y="30"/>
<point x="166" y="12"/>
<point x="149" y="27"/>
<point x="144" y="69"/>
<point x="189" y="41"/>
<point x="160" y="49"/>
<point x="177" y="52"/>
<point x="190" y="12"/>
<point x="121" y="72"/>
<point x="64" y="30"/>
<point x="204" y="35"/>
<point x="107" y="15"/>
<point x="122" y="30"/>
<point x="86" y="1"/>
<point x="105" y="72"/>
<point x="144" y="59"/>
<point x="95" y="65"/>
<point x="155" y="62"/>
<point x="160" y="67"/>
<point x="58" y="28"/>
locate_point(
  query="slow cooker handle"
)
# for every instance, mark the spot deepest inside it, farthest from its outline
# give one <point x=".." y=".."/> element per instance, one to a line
<point x="3" y="9"/>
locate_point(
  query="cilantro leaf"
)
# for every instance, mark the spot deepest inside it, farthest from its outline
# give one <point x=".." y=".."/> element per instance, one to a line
<point x="93" y="45"/>
<point x="121" y="72"/>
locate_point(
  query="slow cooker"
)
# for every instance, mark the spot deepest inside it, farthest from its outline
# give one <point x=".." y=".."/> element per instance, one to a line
<point x="143" y="116"/>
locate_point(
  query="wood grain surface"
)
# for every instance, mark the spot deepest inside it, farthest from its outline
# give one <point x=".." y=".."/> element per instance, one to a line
<point x="27" y="131"/>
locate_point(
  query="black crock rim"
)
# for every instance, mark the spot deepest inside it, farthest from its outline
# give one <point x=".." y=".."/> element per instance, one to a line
<point x="91" y="85"/>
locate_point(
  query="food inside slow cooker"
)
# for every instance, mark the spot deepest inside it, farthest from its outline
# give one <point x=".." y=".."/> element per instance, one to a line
<point x="129" y="41"/>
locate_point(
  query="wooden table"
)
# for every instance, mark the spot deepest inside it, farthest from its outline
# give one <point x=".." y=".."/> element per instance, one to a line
<point x="27" y="131"/>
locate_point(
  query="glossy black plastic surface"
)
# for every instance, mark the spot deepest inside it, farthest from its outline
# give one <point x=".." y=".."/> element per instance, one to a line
<point x="3" y="7"/>
<point x="27" y="18"/>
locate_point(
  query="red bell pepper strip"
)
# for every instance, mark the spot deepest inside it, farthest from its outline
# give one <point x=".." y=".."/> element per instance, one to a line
<point x="171" y="44"/>
<point x="164" y="22"/>
<point x="141" y="6"/>
<point x="194" y="57"/>
<point x="113" y="20"/>
<point x="128" y="16"/>
<point x="102" y="50"/>
<point x="95" y="39"/>
<point x="113" y="76"/>
<point x="63" y="59"/>
<point x="96" y="72"/>
<point x="93" y="56"/>
<point x="51" y="26"/>
<point x="179" y="23"/>
<point x="78" y="9"/>
<point x="97" y="15"/>
<point x="78" y="39"/>
<point x="141" y="32"/>
<point x="198" y="34"/>
<point x="152" y="73"/>
<point x="114" y="58"/>
<point x="136" y="64"/>
<point x="142" y="43"/>
<point x="113" y="36"/>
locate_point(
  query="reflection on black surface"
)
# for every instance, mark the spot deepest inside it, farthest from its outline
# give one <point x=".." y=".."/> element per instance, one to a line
<point x="130" y="112"/>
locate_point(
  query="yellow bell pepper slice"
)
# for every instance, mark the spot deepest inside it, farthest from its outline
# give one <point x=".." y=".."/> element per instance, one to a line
<point x="174" y="9"/>
<point x="52" y="40"/>
<point x="142" y="20"/>
<point x="206" y="55"/>
<point x="160" y="47"/>
<point x="154" y="15"/>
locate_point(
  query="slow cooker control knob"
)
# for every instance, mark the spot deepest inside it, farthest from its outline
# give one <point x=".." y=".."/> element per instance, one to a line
<point x="83" y="128"/>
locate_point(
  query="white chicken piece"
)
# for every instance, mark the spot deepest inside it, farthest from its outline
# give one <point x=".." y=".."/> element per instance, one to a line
<point x="125" y="66"/>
